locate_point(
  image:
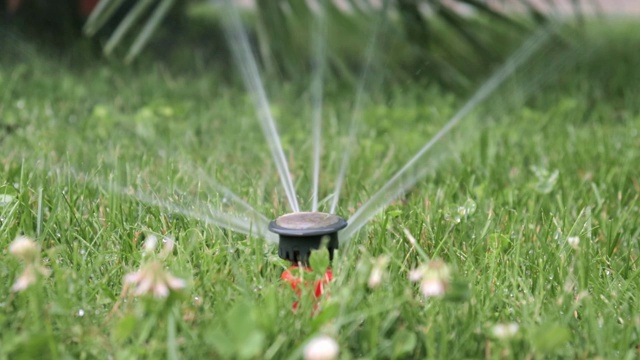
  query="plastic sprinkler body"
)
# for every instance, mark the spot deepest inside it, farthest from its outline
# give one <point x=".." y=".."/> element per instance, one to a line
<point x="300" y="233"/>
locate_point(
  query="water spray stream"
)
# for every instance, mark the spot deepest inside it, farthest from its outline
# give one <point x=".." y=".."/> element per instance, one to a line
<point x="228" y="195"/>
<point x="240" y="224"/>
<point x="239" y="43"/>
<point x="231" y="196"/>
<point x="318" y="53"/>
<point x="400" y="182"/>
<point x="357" y="108"/>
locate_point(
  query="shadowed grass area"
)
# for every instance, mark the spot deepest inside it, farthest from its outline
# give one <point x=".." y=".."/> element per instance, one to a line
<point x="533" y="207"/>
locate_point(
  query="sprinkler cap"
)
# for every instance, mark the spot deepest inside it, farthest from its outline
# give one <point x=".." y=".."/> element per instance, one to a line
<point x="304" y="231"/>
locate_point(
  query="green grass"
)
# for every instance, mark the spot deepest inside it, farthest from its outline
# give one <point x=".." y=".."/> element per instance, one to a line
<point x="150" y="128"/>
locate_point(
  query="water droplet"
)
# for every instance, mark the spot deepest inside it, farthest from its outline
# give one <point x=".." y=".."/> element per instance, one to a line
<point x="81" y="313"/>
<point x="83" y="251"/>
<point x="551" y="277"/>
<point x="470" y="207"/>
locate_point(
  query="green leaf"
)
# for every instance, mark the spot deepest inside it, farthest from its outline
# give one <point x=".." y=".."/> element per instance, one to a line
<point x="125" y="327"/>
<point x="550" y="337"/>
<point x="240" y="320"/>
<point x="404" y="341"/>
<point x="329" y="311"/>
<point x="240" y="337"/>
<point x="251" y="345"/>
<point x="319" y="260"/>
<point x="394" y="213"/>
<point x="221" y="342"/>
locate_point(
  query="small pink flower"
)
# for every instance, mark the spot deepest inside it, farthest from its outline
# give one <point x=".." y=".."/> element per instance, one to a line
<point x="434" y="278"/>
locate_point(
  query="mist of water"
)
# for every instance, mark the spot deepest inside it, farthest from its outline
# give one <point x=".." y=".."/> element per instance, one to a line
<point x="356" y="114"/>
<point x="402" y="180"/>
<point x="238" y="40"/>
<point x="319" y="55"/>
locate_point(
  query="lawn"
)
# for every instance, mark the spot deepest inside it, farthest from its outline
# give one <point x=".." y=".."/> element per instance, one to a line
<point x="528" y="218"/>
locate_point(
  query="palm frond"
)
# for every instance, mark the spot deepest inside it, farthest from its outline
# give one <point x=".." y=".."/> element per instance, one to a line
<point x="283" y="29"/>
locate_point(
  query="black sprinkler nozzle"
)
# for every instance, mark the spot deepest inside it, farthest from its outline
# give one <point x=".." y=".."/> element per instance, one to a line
<point x="304" y="231"/>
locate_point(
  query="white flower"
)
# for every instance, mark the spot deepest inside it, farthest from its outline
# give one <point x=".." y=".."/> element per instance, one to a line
<point x="24" y="249"/>
<point x="505" y="331"/>
<point x="321" y="348"/>
<point x="432" y="287"/>
<point x="574" y="242"/>
<point x="28" y="251"/>
<point x="26" y="279"/>
<point x="416" y="274"/>
<point x="375" y="278"/>
<point x="153" y="280"/>
<point x="149" y="245"/>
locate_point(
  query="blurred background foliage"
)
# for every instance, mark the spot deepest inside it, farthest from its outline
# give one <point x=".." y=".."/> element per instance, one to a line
<point x="452" y="40"/>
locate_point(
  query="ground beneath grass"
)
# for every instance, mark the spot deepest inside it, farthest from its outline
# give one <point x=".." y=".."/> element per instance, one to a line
<point x="522" y="240"/>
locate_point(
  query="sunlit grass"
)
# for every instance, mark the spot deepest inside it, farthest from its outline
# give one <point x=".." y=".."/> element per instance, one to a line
<point x="531" y="230"/>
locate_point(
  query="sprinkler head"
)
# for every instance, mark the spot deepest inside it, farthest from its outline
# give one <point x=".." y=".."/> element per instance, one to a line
<point x="304" y="231"/>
